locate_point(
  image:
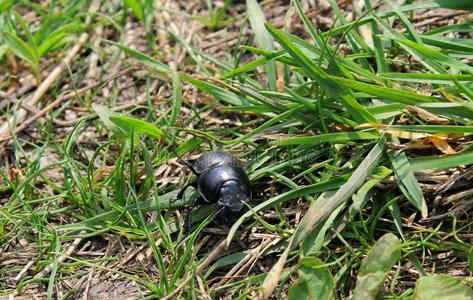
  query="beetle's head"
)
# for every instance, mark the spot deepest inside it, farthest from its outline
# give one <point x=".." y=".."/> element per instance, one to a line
<point x="233" y="195"/>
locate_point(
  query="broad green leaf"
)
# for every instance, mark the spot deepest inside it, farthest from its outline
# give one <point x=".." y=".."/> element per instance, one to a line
<point x="23" y="50"/>
<point x="299" y="290"/>
<point x="441" y="287"/>
<point x="342" y="94"/>
<point x="262" y="37"/>
<point x="375" y="267"/>
<point x="315" y="281"/>
<point x="137" y="126"/>
<point x="162" y="70"/>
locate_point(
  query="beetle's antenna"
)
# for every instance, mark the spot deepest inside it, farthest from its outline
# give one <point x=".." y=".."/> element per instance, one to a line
<point x="179" y="159"/>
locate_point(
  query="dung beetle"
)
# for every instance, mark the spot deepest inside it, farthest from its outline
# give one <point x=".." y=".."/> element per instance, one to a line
<point x="220" y="179"/>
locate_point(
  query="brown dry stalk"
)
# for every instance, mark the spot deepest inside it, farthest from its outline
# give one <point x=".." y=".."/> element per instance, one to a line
<point x="212" y="256"/>
<point x="20" y="115"/>
<point x="62" y="258"/>
<point x="60" y="99"/>
<point x="244" y="263"/>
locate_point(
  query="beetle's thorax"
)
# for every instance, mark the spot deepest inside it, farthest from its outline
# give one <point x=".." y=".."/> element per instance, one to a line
<point x="213" y="159"/>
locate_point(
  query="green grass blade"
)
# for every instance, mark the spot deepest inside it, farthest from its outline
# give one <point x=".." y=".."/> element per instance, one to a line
<point x="263" y="38"/>
<point x="320" y="210"/>
<point x="26" y="30"/>
<point x="24" y="51"/>
<point x="356" y="110"/>
<point x="441" y="162"/>
<point x="433" y="128"/>
<point x="455" y="44"/>
<point x="138" y="126"/>
<point x="406" y="179"/>
<point x="428" y="54"/>
<point x="427" y="77"/>
<point x="176" y="99"/>
<point x="218" y="92"/>
<point x="162" y="70"/>
<point x="137" y="8"/>
<point x="337" y="137"/>
<point x="457" y="4"/>
<point x="5" y="5"/>
<point x="392" y="94"/>
<point x="292" y="194"/>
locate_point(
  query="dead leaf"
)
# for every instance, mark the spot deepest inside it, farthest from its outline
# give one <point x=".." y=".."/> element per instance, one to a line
<point x="407" y="135"/>
<point x="102" y="172"/>
<point x="426" y="115"/>
<point x="440" y="142"/>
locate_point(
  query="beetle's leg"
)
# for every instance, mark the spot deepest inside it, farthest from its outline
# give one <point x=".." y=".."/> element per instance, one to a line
<point x="179" y="159"/>
<point x="181" y="192"/>
<point x="191" y="167"/>
<point x="187" y="219"/>
<point x="224" y="215"/>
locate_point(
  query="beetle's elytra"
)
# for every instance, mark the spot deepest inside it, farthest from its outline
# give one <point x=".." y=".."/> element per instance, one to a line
<point x="220" y="179"/>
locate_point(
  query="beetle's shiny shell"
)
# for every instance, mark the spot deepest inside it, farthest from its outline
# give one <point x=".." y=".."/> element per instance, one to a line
<point x="215" y="158"/>
<point x="211" y="183"/>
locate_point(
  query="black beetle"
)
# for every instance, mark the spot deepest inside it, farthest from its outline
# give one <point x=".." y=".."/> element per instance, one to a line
<point x="220" y="179"/>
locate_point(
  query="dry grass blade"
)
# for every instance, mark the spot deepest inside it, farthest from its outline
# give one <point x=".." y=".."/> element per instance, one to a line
<point x="21" y="114"/>
<point x="210" y="258"/>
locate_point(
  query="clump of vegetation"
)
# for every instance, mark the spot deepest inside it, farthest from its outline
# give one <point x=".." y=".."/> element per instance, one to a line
<point x="356" y="136"/>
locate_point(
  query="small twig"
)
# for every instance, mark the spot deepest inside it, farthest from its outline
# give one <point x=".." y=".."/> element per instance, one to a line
<point x="60" y="99"/>
<point x="212" y="256"/>
<point x="140" y="100"/>
<point x="62" y="258"/>
<point x="10" y="99"/>
<point x="20" y="115"/>
<point x="243" y="264"/>
<point x="23" y="271"/>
